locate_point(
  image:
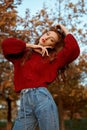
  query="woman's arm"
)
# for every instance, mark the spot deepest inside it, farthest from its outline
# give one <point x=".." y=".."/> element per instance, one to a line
<point x="70" y="50"/>
<point x="13" y="47"/>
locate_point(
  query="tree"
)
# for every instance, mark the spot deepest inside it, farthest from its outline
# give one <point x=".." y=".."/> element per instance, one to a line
<point x="8" y="16"/>
<point x="33" y="27"/>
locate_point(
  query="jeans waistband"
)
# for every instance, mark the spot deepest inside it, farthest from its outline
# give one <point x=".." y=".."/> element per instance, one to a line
<point x="27" y="89"/>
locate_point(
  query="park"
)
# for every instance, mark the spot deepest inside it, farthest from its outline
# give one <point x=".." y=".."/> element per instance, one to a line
<point x="69" y="90"/>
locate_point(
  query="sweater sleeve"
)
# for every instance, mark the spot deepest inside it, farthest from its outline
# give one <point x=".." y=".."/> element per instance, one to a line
<point x="69" y="53"/>
<point x="13" y="46"/>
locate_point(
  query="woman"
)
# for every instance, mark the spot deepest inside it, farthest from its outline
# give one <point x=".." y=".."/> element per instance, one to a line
<point x="35" y="66"/>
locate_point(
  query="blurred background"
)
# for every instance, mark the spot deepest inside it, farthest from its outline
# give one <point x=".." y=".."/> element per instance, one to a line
<point x="26" y="20"/>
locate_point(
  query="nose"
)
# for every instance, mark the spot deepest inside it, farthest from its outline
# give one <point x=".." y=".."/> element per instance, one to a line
<point x="43" y="39"/>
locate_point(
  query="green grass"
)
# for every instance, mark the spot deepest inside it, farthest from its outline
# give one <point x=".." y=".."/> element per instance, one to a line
<point x="76" y="124"/>
<point x="2" y="124"/>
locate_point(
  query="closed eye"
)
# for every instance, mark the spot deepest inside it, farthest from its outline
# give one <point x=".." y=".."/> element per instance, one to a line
<point x="52" y="40"/>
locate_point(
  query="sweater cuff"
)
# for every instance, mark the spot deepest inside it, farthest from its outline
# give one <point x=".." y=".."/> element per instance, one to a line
<point x="13" y="46"/>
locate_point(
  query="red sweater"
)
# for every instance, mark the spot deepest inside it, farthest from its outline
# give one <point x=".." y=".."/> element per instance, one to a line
<point x="36" y="71"/>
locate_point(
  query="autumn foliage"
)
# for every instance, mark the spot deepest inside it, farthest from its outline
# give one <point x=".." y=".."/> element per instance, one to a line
<point x="70" y="86"/>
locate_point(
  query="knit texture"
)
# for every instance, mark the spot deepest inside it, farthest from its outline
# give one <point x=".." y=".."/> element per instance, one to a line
<point x="37" y="71"/>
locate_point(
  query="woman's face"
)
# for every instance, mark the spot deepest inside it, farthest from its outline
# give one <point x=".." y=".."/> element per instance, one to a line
<point x="48" y="39"/>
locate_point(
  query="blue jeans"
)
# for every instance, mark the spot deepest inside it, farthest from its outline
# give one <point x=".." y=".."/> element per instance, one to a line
<point x="37" y="108"/>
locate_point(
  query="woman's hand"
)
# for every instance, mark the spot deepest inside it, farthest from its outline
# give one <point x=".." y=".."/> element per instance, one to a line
<point x="62" y="28"/>
<point x="38" y="48"/>
<point x="42" y="50"/>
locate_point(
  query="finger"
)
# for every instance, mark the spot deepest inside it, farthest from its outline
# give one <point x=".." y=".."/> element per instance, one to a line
<point x="47" y="52"/>
<point x="43" y="52"/>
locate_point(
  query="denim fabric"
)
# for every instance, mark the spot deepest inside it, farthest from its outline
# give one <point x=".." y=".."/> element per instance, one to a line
<point x="37" y="108"/>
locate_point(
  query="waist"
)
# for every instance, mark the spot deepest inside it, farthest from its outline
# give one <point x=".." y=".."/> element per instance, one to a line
<point x="28" y="86"/>
<point x="27" y="89"/>
<point x="32" y="89"/>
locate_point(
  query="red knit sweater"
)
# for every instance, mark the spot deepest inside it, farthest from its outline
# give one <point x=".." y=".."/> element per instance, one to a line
<point x="36" y="71"/>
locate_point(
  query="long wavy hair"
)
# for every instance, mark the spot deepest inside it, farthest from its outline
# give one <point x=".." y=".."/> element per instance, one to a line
<point x="52" y="52"/>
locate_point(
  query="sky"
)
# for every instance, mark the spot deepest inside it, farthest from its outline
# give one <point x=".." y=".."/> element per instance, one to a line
<point x="33" y="6"/>
<point x="36" y="5"/>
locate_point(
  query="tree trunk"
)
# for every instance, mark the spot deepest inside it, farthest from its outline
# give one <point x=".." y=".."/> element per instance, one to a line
<point x="9" y="123"/>
<point x="9" y="126"/>
<point x="61" y="112"/>
<point x="60" y="107"/>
